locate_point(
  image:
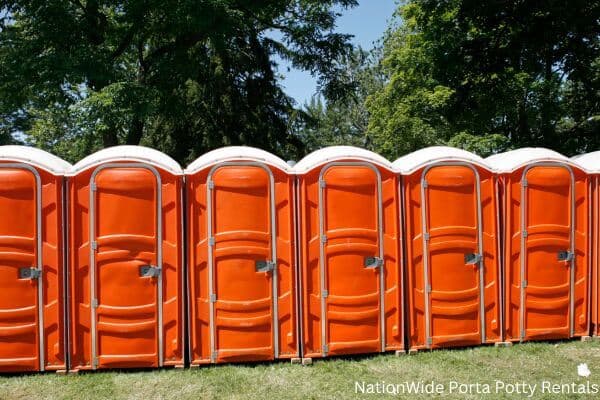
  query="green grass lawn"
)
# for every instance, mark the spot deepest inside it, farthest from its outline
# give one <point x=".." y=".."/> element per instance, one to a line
<point x="532" y="363"/>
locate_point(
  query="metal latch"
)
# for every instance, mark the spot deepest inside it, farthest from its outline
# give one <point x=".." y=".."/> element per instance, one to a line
<point x="265" y="266"/>
<point x="472" y="258"/>
<point x="29" y="273"/>
<point x="373" y="262"/>
<point x="565" y="256"/>
<point x="149" y="271"/>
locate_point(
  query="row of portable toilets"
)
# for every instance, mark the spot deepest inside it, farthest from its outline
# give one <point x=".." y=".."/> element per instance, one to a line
<point x="126" y="260"/>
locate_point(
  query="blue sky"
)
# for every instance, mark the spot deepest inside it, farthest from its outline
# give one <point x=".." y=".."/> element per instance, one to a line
<point x="366" y="22"/>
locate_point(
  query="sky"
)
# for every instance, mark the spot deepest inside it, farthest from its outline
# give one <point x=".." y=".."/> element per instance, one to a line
<point x="367" y="22"/>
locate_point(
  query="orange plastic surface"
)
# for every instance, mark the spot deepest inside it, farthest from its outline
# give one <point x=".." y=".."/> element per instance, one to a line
<point x="245" y="323"/>
<point x="595" y="251"/>
<point x="19" y="307"/>
<point x="449" y="205"/>
<point x="350" y="224"/>
<point x="127" y="312"/>
<point x="548" y="220"/>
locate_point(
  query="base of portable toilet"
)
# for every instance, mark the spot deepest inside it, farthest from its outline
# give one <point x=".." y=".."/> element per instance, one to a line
<point x="32" y="292"/>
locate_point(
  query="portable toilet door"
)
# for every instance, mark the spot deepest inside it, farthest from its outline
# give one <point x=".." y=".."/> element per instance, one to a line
<point x="126" y="271"/>
<point x="32" y="296"/>
<point x="546" y="234"/>
<point x="452" y="247"/>
<point x="351" y="279"/>
<point x="242" y="274"/>
<point x="590" y="162"/>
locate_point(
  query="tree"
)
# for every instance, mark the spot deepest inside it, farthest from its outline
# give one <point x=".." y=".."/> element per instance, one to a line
<point x="490" y="75"/>
<point x="183" y="76"/>
<point x="344" y="121"/>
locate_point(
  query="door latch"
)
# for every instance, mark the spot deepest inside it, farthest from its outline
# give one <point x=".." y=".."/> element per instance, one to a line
<point x="373" y="262"/>
<point x="149" y="271"/>
<point x="565" y="256"/>
<point x="29" y="273"/>
<point x="472" y="258"/>
<point x="265" y="266"/>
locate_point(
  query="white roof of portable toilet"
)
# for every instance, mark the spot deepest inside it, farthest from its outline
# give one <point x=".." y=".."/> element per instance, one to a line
<point x="429" y="155"/>
<point x="139" y="154"/>
<point x="514" y="159"/>
<point x="36" y="157"/>
<point x="236" y="153"/>
<point x="590" y="162"/>
<point x="336" y="153"/>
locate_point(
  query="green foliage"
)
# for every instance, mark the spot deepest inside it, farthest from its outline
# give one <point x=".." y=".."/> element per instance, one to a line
<point x="184" y="76"/>
<point x="344" y="121"/>
<point x="486" y="76"/>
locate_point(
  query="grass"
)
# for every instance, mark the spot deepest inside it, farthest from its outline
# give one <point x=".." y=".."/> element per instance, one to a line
<point x="329" y="379"/>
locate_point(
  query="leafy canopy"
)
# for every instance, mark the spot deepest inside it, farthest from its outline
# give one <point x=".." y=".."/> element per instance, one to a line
<point x="490" y="75"/>
<point x="183" y="76"/>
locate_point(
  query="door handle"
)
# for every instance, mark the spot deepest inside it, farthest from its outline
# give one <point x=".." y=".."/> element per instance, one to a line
<point x="29" y="273"/>
<point x="373" y="262"/>
<point x="565" y="256"/>
<point x="472" y="258"/>
<point x="264" y="266"/>
<point x="149" y="271"/>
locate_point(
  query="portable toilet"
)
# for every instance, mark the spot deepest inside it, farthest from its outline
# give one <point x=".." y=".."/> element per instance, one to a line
<point x="351" y="264"/>
<point x="32" y="295"/>
<point x="126" y="269"/>
<point x="452" y="248"/>
<point x="546" y="234"/>
<point x="591" y="163"/>
<point x="242" y="273"/>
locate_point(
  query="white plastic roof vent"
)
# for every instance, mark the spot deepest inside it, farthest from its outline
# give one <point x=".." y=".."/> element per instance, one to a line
<point x="337" y="153"/>
<point x="36" y="157"/>
<point x="128" y="154"/>
<point x="512" y="160"/>
<point x="418" y="159"/>
<point x="236" y="153"/>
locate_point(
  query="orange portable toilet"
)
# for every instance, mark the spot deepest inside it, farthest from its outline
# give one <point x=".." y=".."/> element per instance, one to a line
<point x="452" y="248"/>
<point x="242" y="275"/>
<point x="590" y="162"/>
<point x="546" y="234"/>
<point x="32" y="295"/>
<point x="351" y="279"/>
<point x="126" y="270"/>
